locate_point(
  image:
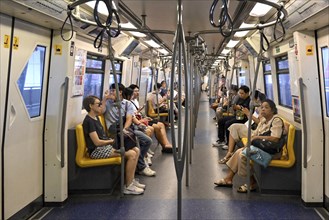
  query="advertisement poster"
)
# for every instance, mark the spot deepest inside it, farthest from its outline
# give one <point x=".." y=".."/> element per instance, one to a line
<point x="79" y="71"/>
<point x="296" y="108"/>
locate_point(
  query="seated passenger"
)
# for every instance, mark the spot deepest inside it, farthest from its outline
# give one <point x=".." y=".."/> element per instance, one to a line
<point x="225" y="122"/>
<point x="100" y="146"/>
<point x="237" y="163"/>
<point x="160" y="103"/>
<point x="228" y="103"/>
<point x="239" y="131"/>
<point x="158" y="127"/>
<point x="112" y="118"/>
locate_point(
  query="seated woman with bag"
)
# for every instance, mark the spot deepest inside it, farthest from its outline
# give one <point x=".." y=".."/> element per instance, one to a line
<point x="100" y="146"/>
<point x="270" y="124"/>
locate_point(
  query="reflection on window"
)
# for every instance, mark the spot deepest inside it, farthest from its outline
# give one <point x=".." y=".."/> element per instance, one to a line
<point x="93" y="84"/>
<point x="112" y="78"/>
<point x="268" y="86"/>
<point x="268" y="79"/>
<point x="242" y="80"/>
<point x="94" y="76"/>
<point x="284" y="90"/>
<point x="283" y="81"/>
<point x="31" y="80"/>
<point x="325" y="69"/>
<point x="118" y="70"/>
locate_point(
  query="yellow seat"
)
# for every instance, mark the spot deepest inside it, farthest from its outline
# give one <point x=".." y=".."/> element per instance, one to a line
<point x="227" y="114"/>
<point x="82" y="158"/>
<point x="288" y="158"/>
<point x="151" y="113"/>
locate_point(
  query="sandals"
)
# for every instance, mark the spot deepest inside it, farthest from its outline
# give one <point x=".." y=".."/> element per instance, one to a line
<point x="225" y="159"/>
<point x="167" y="149"/>
<point x="223" y="183"/>
<point x="244" y="188"/>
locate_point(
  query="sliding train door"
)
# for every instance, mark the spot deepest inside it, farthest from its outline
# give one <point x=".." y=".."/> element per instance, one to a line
<point x="24" y="115"/>
<point x="323" y="54"/>
<point x="5" y="29"/>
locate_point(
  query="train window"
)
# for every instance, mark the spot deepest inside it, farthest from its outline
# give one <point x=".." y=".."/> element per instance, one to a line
<point x="94" y="76"/>
<point x="283" y="81"/>
<point x="118" y="70"/>
<point x="268" y="80"/>
<point x="30" y="81"/>
<point x="325" y="70"/>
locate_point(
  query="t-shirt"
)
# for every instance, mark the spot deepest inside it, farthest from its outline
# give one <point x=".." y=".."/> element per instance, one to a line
<point x="112" y="111"/>
<point x="90" y="125"/>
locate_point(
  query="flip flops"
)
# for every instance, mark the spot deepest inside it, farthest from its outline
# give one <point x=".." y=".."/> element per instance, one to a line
<point x="223" y="183"/>
<point x="225" y="159"/>
<point x="244" y="188"/>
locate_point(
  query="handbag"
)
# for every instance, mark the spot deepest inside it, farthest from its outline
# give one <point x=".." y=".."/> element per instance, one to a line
<point x="270" y="147"/>
<point x="258" y="156"/>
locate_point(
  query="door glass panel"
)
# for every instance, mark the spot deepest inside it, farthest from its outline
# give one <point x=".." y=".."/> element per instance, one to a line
<point x="325" y="69"/>
<point x="31" y="80"/>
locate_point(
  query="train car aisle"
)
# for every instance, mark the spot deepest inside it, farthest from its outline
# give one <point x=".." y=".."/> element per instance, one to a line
<point x="201" y="199"/>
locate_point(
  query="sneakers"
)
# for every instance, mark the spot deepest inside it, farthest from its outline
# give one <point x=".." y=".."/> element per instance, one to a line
<point x="225" y="147"/>
<point x="218" y="143"/>
<point x="150" y="153"/>
<point x="148" y="161"/>
<point x="147" y="172"/>
<point x="138" y="184"/>
<point x="133" y="190"/>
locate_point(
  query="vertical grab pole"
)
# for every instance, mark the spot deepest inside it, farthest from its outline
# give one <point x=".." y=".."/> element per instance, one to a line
<point x="251" y="106"/>
<point x="118" y="104"/>
<point x="179" y="157"/>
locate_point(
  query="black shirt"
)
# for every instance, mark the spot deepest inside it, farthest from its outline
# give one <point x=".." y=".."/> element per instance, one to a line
<point x="90" y="125"/>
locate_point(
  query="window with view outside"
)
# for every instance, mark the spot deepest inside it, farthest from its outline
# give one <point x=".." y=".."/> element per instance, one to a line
<point x="283" y="77"/>
<point x="30" y="81"/>
<point x="268" y="80"/>
<point x="94" y="76"/>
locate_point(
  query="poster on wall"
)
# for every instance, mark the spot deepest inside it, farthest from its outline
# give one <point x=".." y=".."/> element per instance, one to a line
<point x="296" y="108"/>
<point x="79" y="71"/>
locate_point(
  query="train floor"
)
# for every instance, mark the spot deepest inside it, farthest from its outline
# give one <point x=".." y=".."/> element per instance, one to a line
<point x="200" y="200"/>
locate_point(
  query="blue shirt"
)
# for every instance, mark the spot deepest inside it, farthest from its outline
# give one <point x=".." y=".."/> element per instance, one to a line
<point x="112" y="111"/>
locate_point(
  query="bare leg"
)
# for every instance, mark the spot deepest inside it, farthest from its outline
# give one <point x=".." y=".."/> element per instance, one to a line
<point x="149" y="131"/>
<point x="161" y="135"/>
<point x="231" y="145"/>
<point x="132" y="158"/>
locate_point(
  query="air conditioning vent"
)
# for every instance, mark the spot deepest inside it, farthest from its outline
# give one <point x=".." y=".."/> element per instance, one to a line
<point x="53" y="7"/>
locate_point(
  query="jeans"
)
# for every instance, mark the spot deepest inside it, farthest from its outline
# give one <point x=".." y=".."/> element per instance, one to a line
<point x="145" y="143"/>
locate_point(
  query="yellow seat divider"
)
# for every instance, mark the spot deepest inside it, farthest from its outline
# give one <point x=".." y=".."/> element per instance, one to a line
<point x="82" y="158"/>
<point x="288" y="158"/>
<point x="151" y="113"/>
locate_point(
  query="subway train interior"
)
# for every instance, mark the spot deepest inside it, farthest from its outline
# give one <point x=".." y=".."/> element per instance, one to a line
<point x="54" y="54"/>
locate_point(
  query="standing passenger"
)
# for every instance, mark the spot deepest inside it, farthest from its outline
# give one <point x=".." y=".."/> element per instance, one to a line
<point x="100" y="146"/>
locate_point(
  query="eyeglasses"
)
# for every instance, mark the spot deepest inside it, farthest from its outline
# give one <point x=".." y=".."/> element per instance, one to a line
<point x="98" y="103"/>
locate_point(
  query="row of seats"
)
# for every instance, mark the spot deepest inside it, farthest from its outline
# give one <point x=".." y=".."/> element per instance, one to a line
<point x="283" y="175"/>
